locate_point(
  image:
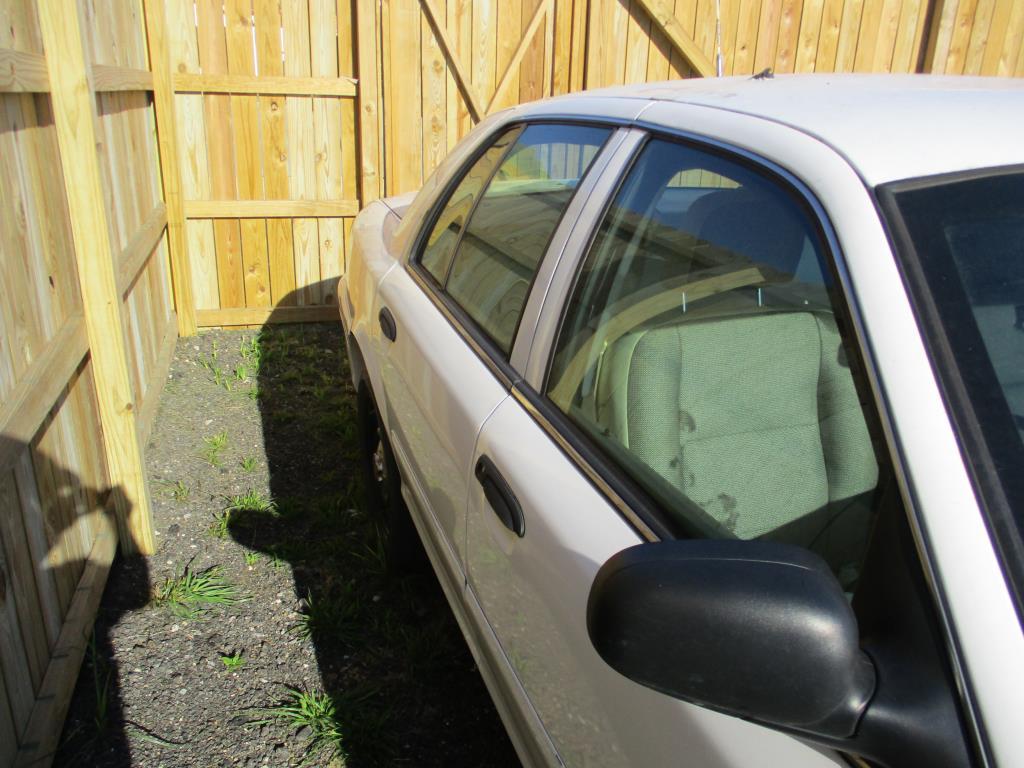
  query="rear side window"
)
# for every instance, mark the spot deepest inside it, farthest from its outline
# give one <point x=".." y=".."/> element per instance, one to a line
<point x="440" y="245"/>
<point x="704" y="351"/>
<point x="485" y="248"/>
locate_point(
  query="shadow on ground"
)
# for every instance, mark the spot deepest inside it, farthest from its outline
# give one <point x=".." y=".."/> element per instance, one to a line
<point x="396" y="671"/>
<point x="393" y="681"/>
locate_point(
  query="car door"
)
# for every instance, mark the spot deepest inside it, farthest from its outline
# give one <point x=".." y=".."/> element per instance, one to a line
<point x="452" y="300"/>
<point x="703" y="382"/>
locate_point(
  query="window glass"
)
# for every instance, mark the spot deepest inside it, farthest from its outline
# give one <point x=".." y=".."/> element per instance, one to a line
<point x="440" y="245"/>
<point x="702" y="351"/>
<point x="966" y="238"/>
<point x="509" y="230"/>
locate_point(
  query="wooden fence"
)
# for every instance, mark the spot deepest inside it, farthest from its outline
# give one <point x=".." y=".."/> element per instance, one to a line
<point x="87" y="329"/>
<point x="168" y="164"/>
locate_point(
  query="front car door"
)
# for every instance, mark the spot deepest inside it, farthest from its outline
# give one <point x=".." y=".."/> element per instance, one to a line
<point x="695" y="373"/>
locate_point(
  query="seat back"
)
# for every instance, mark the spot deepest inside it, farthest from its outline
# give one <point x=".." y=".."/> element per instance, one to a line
<point x="754" y="418"/>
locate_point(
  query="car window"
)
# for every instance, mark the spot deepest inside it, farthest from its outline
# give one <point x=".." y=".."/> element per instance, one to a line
<point x="703" y="351"/>
<point x="509" y="229"/>
<point x="440" y="245"/>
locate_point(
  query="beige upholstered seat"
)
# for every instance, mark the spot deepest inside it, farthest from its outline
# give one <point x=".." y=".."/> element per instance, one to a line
<point x="753" y="417"/>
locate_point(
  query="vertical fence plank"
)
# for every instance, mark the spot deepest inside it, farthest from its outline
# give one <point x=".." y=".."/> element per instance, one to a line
<point x="170" y="173"/>
<point x="76" y="133"/>
<point x="369" y="108"/>
<point x="213" y="58"/>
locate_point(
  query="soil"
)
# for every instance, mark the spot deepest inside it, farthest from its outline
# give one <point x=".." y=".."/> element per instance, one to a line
<point x="324" y="621"/>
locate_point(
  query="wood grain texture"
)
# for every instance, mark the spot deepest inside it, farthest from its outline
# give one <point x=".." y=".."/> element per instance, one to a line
<point x="76" y="131"/>
<point x="251" y="84"/>
<point x="22" y="72"/>
<point x="26" y="407"/>
<point x="40" y="738"/>
<point x="661" y="13"/>
<point x="259" y="316"/>
<point x="222" y="209"/>
<point x="170" y="166"/>
<point x="107" y="78"/>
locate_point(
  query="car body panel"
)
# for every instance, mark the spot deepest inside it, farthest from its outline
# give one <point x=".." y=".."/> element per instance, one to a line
<point x="533" y="592"/>
<point x="446" y="388"/>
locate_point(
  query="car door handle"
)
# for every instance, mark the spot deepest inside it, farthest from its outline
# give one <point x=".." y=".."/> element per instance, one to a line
<point x="387" y="324"/>
<point x="500" y="497"/>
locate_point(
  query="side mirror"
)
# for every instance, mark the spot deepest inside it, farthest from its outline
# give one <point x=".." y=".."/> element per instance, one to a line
<point x="758" y="630"/>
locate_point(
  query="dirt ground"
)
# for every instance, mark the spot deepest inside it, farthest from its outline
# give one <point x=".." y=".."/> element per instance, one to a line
<point x="267" y="629"/>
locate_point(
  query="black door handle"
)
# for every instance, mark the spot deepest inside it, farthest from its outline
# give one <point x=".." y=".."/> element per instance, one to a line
<point x="387" y="324"/>
<point x="500" y="496"/>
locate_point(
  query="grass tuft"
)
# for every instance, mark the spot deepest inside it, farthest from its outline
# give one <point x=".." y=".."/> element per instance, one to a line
<point x="250" y="501"/>
<point x="214" y="445"/>
<point x="191" y="593"/>
<point x="233" y="661"/>
<point x="313" y="710"/>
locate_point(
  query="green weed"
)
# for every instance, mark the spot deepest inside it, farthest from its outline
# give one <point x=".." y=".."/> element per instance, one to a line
<point x="192" y="592"/>
<point x="335" y="616"/>
<point x="219" y="527"/>
<point x="233" y="662"/>
<point x="177" y="490"/>
<point x="251" y="558"/>
<point x="214" y="445"/>
<point x="314" y="710"/>
<point x="248" y="463"/>
<point x="250" y="501"/>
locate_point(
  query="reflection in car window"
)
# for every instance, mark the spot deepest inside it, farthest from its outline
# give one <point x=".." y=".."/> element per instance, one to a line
<point x="701" y="351"/>
<point x="966" y="236"/>
<point x="509" y="230"/>
<point x="440" y="245"/>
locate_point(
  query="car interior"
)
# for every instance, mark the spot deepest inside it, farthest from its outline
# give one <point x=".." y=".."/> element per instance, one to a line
<point x="707" y="358"/>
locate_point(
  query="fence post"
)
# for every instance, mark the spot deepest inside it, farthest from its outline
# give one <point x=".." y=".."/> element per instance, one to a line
<point x="74" y="111"/>
<point x="170" y="172"/>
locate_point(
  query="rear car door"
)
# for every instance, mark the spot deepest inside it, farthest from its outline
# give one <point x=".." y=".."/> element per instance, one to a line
<point x="704" y="381"/>
<point x="451" y="299"/>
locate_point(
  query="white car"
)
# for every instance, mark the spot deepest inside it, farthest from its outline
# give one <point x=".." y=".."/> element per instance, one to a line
<point x="705" y="399"/>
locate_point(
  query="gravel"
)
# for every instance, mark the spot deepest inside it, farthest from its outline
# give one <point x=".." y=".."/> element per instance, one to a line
<point x="322" y="618"/>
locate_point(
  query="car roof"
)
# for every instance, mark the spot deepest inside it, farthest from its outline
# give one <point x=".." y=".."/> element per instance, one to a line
<point x="888" y="127"/>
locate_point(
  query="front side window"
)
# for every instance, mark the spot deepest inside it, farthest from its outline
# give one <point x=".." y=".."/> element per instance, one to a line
<point x="702" y="351"/>
<point x="485" y="248"/>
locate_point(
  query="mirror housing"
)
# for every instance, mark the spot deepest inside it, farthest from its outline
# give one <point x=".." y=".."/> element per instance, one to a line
<point x="758" y="630"/>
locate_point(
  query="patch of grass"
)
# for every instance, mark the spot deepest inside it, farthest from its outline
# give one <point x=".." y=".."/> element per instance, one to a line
<point x="251" y="558"/>
<point x="191" y="593"/>
<point x="177" y="489"/>
<point x="101" y="674"/>
<point x="219" y="527"/>
<point x="233" y="661"/>
<point x="251" y="351"/>
<point x="313" y="711"/>
<point x="335" y="616"/>
<point x="250" y="501"/>
<point x="214" y="445"/>
<point x="248" y="464"/>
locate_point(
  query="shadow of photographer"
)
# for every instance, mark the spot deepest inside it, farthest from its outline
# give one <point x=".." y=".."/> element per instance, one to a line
<point x="394" y="666"/>
<point x="59" y="537"/>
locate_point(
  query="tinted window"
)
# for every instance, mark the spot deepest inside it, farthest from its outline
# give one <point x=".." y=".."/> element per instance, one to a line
<point x="440" y="245"/>
<point x="701" y="351"/>
<point x="964" y="249"/>
<point x="509" y="230"/>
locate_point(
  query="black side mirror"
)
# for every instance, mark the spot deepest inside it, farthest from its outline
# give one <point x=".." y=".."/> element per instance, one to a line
<point x="758" y="630"/>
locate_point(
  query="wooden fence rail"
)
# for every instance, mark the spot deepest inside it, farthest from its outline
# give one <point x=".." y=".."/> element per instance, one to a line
<point x="168" y="164"/>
